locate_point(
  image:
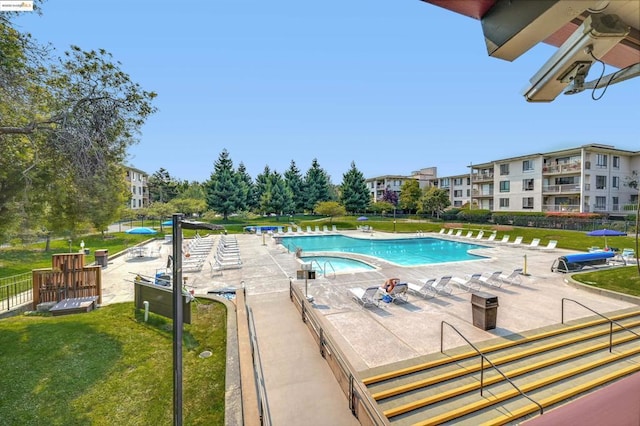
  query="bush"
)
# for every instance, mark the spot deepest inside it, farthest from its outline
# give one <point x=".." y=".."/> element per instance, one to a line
<point x="474" y="215"/>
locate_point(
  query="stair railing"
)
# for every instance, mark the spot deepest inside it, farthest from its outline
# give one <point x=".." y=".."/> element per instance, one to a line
<point x="484" y="358"/>
<point x="610" y="320"/>
<point x="324" y="270"/>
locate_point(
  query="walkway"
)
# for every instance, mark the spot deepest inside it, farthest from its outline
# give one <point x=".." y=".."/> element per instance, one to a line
<point x="300" y="387"/>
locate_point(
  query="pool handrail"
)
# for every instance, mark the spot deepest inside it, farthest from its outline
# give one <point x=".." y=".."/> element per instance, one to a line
<point x="324" y="270"/>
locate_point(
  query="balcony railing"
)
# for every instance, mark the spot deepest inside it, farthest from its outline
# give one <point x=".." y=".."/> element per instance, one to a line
<point x="555" y="168"/>
<point x="477" y="177"/>
<point x="477" y="193"/>
<point x="556" y="189"/>
<point x="568" y="208"/>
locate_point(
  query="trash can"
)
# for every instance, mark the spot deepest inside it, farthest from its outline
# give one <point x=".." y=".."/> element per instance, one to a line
<point x="102" y="257"/>
<point x="484" y="307"/>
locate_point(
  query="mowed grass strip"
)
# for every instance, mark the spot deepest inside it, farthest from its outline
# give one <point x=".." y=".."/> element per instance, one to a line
<point x="109" y="367"/>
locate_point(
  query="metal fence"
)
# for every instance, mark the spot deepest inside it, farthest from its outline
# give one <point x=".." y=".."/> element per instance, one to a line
<point x="15" y="291"/>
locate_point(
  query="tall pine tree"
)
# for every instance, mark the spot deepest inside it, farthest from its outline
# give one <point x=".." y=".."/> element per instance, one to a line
<point x="354" y="194"/>
<point x="294" y="181"/>
<point x="223" y="190"/>
<point x="317" y="186"/>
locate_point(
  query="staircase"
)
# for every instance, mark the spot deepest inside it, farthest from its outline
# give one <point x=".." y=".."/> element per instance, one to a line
<point x="516" y="378"/>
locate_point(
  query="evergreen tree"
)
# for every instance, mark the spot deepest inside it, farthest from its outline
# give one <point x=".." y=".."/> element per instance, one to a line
<point x="262" y="185"/>
<point x="248" y="200"/>
<point x="277" y="198"/>
<point x="317" y="186"/>
<point x="295" y="183"/>
<point x="354" y="192"/>
<point x="162" y="187"/>
<point x="223" y="190"/>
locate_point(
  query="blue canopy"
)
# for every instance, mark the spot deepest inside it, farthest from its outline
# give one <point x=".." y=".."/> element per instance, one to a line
<point x="606" y="233"/>
<point x="167" y="223"/>
<point x="141" y="230"/>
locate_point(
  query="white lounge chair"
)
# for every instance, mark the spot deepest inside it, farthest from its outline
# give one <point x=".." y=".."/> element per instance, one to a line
<point x="425" y="290"/>
<point x="333" y="228"/>
<point x="516" y="242"/>
<point x="317" y="229"/>
<point x="480" y="235"/>
<point x="440" y="286"/>
<point x="309" y="229"/>
<point x="325" y="228"/>
<point x="399" y="292"/>
<point x="450" y="232"/>
<point x="493" y="279"/>
<point x="505" y="239"/>
<point x="469" y="234"/>
<point x="551" y="245"/>
<point x="514" y="278"/>
<point x="491" y="237"/>
<point x="535" y="243"/>
<point x="441" y="231"/>
<point x="458" y="233"/>
<point x="470" y="283"/>
<point x="366" y="297"/>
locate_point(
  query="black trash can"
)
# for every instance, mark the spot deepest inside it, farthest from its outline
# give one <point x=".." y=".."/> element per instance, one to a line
<point x="484" y="307"/>
<point x="102" y="257"/>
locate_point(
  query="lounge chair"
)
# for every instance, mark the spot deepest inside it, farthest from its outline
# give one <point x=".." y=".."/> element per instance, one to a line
<point x="317" y="228"/>
<point x="535" y="243"/>
<point x="458" y="233"/>
<point x="450" y="232"/>
<point x="628" y="254"/>
<point x="216" y="269"/>
<point x="309" y="229"/>
<point x="366" y="297"/>
<point x="491" y="237"/>
<point x="399" y="292"/>
<point x="469" y="234"/>
<point x="516" y="242"/>
<point x="325" y="228"/>
<point x="333" y="228"/>
<point x="514" y="278"/>
<point x="551" y="245"/>
<point x="425" y="290"/>
<point x="441" y="231"/>
<point x="504" y="240"/>
<point x="480" y="235"/>
<point x="440" y="286"/>
<point x="493" y="279"/>
<point x="471" y="283"/>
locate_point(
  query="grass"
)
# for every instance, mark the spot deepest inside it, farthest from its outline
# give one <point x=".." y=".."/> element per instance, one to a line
<point x="109" y="367"/>
<point x="623" y="280"/>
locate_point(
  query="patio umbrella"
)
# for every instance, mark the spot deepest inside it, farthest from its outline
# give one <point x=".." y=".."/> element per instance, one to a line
<point x="606" y="233"/>
<point x="167" y="223"/>
<point x="141" y="231"/>
<point x="361" y="218"/>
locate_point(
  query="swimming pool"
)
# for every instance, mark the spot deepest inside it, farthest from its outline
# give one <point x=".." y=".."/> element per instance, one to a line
<point x="402" y="251"/>
<point x="336" y="264"/>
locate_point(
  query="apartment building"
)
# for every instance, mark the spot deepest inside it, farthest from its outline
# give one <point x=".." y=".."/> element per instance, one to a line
<point x="458" y="187"/>
<point x="137" y="180"/>
<point x="426" y="177"/>
<point x="588" y="178"/>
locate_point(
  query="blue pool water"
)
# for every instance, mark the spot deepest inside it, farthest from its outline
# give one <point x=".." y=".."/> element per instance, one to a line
<point x="402" y="251"/>
<point x="336" y="264"/>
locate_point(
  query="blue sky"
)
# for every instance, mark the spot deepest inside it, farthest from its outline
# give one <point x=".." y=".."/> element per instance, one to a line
<point x="394" y="86"/>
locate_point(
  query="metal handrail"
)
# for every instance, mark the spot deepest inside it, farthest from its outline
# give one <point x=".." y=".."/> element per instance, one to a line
<point x="324" y="270"/>
<point x="483" y="357"/>
<point x="263" y="406"/>
<point x="326" y="343"/>
<point x="611" y="320"/>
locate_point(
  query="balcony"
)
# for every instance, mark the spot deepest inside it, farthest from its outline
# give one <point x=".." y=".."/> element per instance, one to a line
<point x="564" y="208"/>
<point x="479" y="194"/>
<point x="482" y="177"/>
<point x="561" y="168"/>
<point x="572" y="188"/>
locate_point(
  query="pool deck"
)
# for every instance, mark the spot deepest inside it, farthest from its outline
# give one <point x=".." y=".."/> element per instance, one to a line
<point x="300" y="386"/>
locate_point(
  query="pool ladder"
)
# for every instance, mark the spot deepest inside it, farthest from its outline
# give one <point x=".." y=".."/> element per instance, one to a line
<point x="324" y="269"/>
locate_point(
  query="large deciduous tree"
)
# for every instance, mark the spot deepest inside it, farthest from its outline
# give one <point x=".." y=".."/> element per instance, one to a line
<point x="434" y="200"/>
<point x="410" y="194"/>
<point x="354" y="193"/>
<point x="65" y="126"/>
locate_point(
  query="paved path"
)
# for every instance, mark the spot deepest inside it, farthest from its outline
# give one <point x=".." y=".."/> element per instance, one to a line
<point x="300" y="388"/>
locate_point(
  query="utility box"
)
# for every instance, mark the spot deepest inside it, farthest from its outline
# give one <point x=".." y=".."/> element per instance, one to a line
<point x="484" y="307"/>
<point x="102" y="257"/>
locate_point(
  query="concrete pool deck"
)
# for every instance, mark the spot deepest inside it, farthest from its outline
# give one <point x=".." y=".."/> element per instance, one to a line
<point x="300" y="386"/>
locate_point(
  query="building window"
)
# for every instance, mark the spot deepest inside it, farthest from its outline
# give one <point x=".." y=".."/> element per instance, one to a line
<point x="615" y="182"/>
<point x="468" y="193"/>
<point x="527" y="203"/>
<point x="457" y="193"/>
<point x="616" y="162"/>
<point x="601" y="182"/>
<point x="616" y="203"/>
<point x="504" y="202"/>
<point x="601" y="160"/>
<point x="601" y="203"/>
<point x="457" y="181"/>
<point x="504" y="169"/>
<point x="504" y="186"/>
<point x="457" y="204"/>
<point x="527" y="166"/>
<point x="468" y="181"/>
<point x="527" y="184"/>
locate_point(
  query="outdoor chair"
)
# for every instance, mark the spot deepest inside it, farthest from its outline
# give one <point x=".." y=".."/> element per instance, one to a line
<point x="535" y="243"/>
<point x="399" y="292"/>
<point x="425" y="290"/>
<point x="516" y="242"/>
<point x="367" y="297"/>
<point x="480" y="235"/>
<point x="493" y="279"/>
<point x="471" y="283"/>
<point x="514" y="278"/>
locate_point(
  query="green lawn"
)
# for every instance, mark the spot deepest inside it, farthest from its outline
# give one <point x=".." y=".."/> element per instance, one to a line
<point x="109" y="367"/>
